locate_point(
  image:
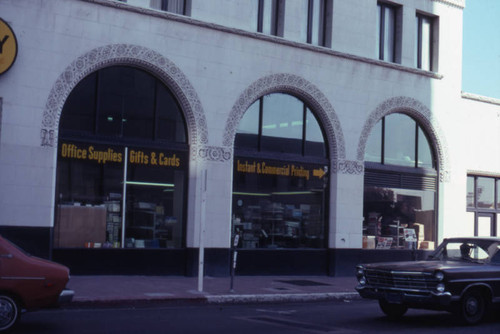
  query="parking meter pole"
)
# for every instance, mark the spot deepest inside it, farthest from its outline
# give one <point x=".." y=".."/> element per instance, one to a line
<point x="234" y="255"/>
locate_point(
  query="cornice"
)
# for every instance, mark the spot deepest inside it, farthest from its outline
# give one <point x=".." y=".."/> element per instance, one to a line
<point x="480" y="98"/>
<point x="453" y="3"/>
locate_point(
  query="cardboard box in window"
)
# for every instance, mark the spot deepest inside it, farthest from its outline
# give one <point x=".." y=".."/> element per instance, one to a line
<point x="426" y="245"/>
<point x="368" y="242"/>
<point x="419" y="230"/>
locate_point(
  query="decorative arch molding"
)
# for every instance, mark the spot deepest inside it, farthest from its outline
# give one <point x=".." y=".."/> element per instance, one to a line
<point x="417" y="110"/>
<point x="125" y="54"/>
<point x="302" y="89"/>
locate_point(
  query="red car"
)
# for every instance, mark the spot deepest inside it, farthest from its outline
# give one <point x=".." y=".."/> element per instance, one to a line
<point x="28" y="283"/>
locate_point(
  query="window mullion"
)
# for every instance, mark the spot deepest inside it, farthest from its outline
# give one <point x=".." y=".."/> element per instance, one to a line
<point x="261" y="114"/>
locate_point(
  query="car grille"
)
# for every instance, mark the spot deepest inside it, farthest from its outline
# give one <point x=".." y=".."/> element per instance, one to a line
<point x="416" y="281"/>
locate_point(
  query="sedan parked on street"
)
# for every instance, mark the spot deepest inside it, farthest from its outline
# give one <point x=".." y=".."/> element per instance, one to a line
<point x="28" y="283"/>
<point x="461" y="276"/>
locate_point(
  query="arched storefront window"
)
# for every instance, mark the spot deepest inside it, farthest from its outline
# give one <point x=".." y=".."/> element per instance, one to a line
<point x="280" y="183"/>
<point x="122" y="164"/>
<point x="400" y="186"/>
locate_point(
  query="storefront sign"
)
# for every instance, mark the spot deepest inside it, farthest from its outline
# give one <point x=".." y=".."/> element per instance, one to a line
<point x="153" y="158"/>
<point x="8" y="47"/>
<point x="104" y="155"/>
<point x="287" y="169"/>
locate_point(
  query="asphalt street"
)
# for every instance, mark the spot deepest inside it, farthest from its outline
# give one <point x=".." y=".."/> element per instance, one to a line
<point x="342" y="316"/>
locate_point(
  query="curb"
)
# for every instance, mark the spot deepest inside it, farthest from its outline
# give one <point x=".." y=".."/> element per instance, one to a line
<point x="215" y="299"/>
<point x="281" y="298"/>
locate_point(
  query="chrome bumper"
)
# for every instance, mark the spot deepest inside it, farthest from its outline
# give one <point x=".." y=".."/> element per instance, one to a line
<point x="400" y="296"/>
<point x="66" y="296"/>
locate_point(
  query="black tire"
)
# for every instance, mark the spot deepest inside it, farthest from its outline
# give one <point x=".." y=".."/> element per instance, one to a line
<point x="472" y="308"/>
<point x="9" y="312"/>
<point x="393" y="311"/>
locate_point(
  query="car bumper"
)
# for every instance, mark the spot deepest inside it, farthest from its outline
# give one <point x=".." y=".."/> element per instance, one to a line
<point x="400" y="296"/>
<point x="66" y="296"/>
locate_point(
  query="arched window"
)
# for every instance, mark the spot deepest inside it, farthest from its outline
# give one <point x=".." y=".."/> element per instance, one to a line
<point x="400" y="186"/>
<point x="122" y="164"/>
<point x="280" y="176"/>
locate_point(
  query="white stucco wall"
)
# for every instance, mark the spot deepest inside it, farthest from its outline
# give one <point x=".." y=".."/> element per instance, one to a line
<point x="220" y="64"/>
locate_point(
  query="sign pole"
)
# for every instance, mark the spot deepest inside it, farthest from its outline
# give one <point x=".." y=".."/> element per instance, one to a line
<point x="201" y="255"/>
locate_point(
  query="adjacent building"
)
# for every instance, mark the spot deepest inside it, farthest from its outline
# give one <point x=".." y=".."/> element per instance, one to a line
<point x="310" y="135"/>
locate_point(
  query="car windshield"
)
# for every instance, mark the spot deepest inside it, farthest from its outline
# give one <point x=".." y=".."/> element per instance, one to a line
<point x="468" y="250"/>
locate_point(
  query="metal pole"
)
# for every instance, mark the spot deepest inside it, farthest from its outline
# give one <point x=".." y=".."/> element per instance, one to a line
<point x="124" y="199"/>
<point x="201" y="255"/>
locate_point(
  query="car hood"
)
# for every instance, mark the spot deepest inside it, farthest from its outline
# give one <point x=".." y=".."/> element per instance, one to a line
<point x="420" y="266"/>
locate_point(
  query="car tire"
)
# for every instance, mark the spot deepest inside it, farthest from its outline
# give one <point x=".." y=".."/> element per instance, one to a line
<point x="472" y="308"/>
<point x="9" y="312"/>
<point x="392" y="310"/>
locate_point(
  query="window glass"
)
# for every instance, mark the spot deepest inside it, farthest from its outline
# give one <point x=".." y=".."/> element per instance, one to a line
<point x="485" y="192"/>
<point x="170" y="121"/>
<point x="498" y="194"/>
<point x="139" y="106"/>
<point x="155" y="194"/>
<point x="425" y="157"/>
<point x="389" y="24"/>
<point x="386" y="16"/>
<point x="426" y="43"/>
<point x="470" y="191"/>
<point x="392" y="213"/>
<point x="315" y="142"/>
<point x="373" y="151"/>
<point x="267" y="12"/>
<point x="247" y="135"/>
<point x="282" y="124"/>
<point x="317" y="23"/>
<point x="278" y="204"/>
<point x="400" y="133"/>
<point x="424" y="28"/>
<point x="80" y="116"/>
<point x="99" y="206"/>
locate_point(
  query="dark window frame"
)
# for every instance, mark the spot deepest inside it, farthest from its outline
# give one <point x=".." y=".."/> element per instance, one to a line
<point x="381" y="31"/>
<point x="277" y="17"/>
<point x="324" y="24"/>
<point x="420" y="17"/>
<point x="417" y="127"/>
<point x="259" y="151"/>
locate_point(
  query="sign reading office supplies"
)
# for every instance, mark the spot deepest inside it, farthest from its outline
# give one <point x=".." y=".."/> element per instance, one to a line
<point x="106" y="154"/>
<point x="8" y="47"/>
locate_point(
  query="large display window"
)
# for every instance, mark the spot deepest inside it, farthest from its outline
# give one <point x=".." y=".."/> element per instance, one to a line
<point x="280" y="185"/>
<point x="400" y="186"/>
<point x="122" y="164"/>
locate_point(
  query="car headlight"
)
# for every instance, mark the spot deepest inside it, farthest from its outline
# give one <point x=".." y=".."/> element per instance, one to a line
<point x="360" y="274"/>
<point x="439" y="275"/>
<point x="440" y="287"/>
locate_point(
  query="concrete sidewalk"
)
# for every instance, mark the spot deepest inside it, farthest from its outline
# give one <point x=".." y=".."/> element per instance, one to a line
<point x="133" y="290"/>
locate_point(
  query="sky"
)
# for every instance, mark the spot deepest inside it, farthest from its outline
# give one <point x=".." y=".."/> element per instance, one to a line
<point x="481" y="48"/>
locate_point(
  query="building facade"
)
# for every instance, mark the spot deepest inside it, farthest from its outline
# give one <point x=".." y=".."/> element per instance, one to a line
<point x="321" y="133"/>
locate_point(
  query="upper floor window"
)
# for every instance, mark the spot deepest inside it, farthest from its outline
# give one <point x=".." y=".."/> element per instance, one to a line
<point x="270" y="17"/>
<point x="424" y="42"/>
<point x="398" y="140"/>
<point x="281" y="123"/>
<point x="483" y="192"/>
<point x="388" y="35"/>
<point x="181" y="7"/>
<point x="319" y="23"/>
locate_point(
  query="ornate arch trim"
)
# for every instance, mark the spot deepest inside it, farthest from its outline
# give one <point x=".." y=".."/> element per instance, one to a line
<point x="417" y="110"/>
<point x="302" y="89"/>
<point x="125" y="54"/>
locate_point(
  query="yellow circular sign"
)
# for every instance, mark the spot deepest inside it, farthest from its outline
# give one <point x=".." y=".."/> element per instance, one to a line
<point x="8" y="47"/>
